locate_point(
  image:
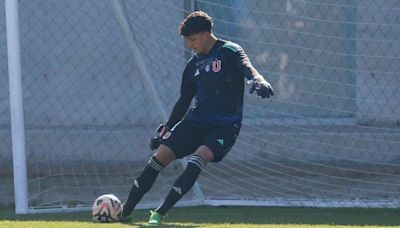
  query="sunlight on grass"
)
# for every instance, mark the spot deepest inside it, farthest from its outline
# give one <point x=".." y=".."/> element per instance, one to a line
<point x="275" y="217"/>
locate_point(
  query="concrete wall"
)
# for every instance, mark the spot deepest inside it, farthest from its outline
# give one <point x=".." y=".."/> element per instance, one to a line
<point x="77" y="67"/>
<point x="79" y="73"/>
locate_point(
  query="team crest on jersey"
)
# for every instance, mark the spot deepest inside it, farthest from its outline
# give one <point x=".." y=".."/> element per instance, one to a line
<point x="216" y="65"/>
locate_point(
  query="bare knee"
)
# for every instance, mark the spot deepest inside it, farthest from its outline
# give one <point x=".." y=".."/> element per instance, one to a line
<point x="205" y="153"/>
<point x="164" y="155"/>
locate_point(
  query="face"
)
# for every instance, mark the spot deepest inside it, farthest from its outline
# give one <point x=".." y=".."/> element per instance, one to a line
<point x="197" y="42"/>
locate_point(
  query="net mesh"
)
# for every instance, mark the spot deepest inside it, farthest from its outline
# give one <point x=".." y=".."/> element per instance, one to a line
<point x="5" y="133"/>
<point x="329" y="137"/>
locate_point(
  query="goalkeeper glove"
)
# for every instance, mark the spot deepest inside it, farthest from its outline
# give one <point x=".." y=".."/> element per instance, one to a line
<point x="261" y="86"/>
<point x="155" y="142"/>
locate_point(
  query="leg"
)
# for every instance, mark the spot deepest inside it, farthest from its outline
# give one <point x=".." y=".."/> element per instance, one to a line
<point x="184" y="183"/>
<point x="217" y="143"/>
<point x="163" y="156"/>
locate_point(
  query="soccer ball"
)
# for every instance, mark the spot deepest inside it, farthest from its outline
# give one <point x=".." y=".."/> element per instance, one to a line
<point x="107" y="208"/>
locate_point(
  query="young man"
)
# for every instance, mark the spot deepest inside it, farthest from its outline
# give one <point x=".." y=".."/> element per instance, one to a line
<point x="214" y="76"/>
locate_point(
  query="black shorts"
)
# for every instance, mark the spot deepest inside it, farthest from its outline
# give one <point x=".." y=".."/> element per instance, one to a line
<point x="187" y="136"/>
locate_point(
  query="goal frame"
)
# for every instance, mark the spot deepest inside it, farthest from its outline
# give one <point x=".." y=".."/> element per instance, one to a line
<point x="21" y="191"/>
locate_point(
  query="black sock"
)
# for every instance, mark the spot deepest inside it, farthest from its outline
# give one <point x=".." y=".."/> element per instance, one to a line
<point x="183" y="184"/>
<point x="142" y="184"/>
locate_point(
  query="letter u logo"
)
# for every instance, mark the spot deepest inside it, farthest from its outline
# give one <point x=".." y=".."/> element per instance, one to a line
<point x="216" y="65"/>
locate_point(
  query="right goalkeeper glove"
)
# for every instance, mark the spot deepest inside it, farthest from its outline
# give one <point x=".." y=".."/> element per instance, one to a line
<point x="155" y="142"/>
<point x="261" y="86"/>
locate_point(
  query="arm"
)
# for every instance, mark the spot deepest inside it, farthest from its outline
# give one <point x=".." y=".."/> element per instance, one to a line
<point x="180" y="108"/>
<point x="244" y="65"/>
<point x="255" y="79"/>
<point x="188" y="91"/>
<point x="178" y="112"/>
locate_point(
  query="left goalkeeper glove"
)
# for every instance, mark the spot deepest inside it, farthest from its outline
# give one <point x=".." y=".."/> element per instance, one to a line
<point x="155" y="142"/>
<point x="261" y="86"/>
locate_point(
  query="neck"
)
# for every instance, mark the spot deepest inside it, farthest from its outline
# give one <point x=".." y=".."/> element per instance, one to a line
<point x="210" y="43"/>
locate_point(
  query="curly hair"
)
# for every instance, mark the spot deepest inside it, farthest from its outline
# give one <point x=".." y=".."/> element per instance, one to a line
<point x="196" y="22"/>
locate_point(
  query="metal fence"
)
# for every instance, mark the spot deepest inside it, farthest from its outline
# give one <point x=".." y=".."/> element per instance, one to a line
<point x="330" y="135"/>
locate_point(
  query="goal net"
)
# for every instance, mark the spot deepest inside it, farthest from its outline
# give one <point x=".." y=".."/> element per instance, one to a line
<point x="99" y="76"/>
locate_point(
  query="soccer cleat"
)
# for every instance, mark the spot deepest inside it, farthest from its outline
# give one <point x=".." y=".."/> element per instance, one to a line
<point x="155" y="218"/>
<point x="126" y="219"/>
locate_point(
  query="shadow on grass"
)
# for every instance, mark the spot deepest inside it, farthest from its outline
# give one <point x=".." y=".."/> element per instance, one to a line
<point x="286" y="215"/>
<point x="240" y="215"/>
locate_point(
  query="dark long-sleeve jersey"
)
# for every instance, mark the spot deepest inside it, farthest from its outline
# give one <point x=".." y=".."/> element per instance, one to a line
<point x="216" y="81"/>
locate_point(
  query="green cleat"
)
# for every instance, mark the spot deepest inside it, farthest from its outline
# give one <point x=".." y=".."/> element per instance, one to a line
<point x="155" y="218"/>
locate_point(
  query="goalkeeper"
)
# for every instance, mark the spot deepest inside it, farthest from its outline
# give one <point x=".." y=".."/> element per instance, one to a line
<point x="214" y="77"/>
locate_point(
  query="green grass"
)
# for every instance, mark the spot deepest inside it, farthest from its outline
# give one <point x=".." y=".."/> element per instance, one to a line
<point x="278" y="217"/>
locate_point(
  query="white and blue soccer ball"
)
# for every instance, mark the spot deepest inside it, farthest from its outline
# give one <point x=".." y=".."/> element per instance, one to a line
<point x="107" y="208"/>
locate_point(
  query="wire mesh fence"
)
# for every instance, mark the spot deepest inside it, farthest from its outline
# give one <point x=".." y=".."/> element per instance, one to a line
<point x="329" y="137"/>
<point x="5" y="134"/>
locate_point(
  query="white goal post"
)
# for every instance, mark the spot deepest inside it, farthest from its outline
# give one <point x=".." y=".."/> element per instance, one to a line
<point x="16" y="108"/>
<point x="89" y="81"/>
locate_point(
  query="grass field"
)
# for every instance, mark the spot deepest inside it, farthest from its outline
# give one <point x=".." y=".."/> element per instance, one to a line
<point x="222" y="217"/>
